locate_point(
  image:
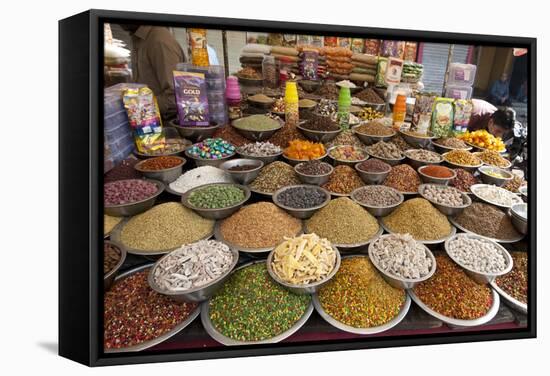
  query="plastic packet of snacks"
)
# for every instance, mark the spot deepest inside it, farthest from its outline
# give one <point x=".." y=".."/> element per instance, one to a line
<point x="144" y="118"/>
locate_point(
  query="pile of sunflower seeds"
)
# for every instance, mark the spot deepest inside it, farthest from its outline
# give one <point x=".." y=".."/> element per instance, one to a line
<point x="193" y="265"/>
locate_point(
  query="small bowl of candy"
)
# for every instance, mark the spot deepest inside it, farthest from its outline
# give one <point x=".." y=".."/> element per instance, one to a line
<point x="210" y="152"/>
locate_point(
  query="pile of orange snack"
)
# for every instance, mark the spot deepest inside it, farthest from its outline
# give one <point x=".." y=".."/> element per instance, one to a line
<point x="483" y="139"/>
<point x="304" y="150"/>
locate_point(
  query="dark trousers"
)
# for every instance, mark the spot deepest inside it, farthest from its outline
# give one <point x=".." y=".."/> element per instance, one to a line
<point x="497" y="102"/>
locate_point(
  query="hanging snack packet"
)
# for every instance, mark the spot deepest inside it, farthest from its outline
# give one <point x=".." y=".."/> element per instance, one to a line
<point x="381" y="72"/>
<point x="463" y="109"/>
<point x="197" y="46"/>
<point x="144" y="118"/>
<point x="309" y="65"/>
<point x="442" y="117"/>
<point x="191" y="99"/>
<point x="422" y="114"/>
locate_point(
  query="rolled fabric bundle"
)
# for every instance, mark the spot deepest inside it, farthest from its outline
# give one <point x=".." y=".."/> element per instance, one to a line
<point x="339" y="65"/>
<point x="361" y="77"/>
<point x="364" y="58"/>
<point x="290" y="58"/>
<point x="285" y="51"/>
<point x="364" y="71"/>
<point x="256" y="48"/>
<point x="338" y="52"/>
<point x="364" y="66"/>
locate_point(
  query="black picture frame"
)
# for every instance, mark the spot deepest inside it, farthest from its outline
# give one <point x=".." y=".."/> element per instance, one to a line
<point x="80" y="181"/>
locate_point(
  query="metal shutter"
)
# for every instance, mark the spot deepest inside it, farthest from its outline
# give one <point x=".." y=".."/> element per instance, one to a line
<point x="434" y="59"/>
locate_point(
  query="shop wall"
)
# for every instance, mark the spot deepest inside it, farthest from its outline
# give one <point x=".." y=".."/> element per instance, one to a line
<point x="492" y="61"/>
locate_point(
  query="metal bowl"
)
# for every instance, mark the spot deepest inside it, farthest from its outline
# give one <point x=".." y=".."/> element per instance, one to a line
<point x="418" y="141"/>
<point x="445" y="209"/>
<point x="294" y="162"/>
<point x="364" y="331"/>
<point x="397" y="281"/>
<point x="441" y="149"/>
<point x="196" y="294"/>
<point x="475" y="187"/>
<point x="256" y="135"/>
<point x="258" y="104"/>
<point x="436" y="241"/>
<point x="147" y="344"/>
<point x="116" y="236"/>
<point x="519" y="221"/>
<point x="372" y="177"/>
<point x="456" y="165"/>
<point x="109" y="278"/>
<point x="196" y="133"/>
<point x="311" y="288"/>
<point x="309" y="85"/>
<point x="433" y="180"/>
<point x="460" y="227"/>
<point x="417" y="163"/>
<point x="458" y="322"/>
<point x="300" y="213"/>
<point x="224" y="340"/>
<point x="510" y="300"/>
<point x="313" y="179"/>
<point x="133" y="208"/>
<point x="368" y="139"/>
<point x="379" y="107"/>
<point x="242" y="177"/>
<point x="523" y="192"/>
<point x="493" y="180"/>
<point x="378" y="211"/>
<point x="480" y="277"/>
<point x="250" y="81"/>
<point x="319" y="136"/>
<point x="391" y="162"/>
<point x="508" y="165"/>
<point x="337" y="162"/>
<point x="267" y="159"/>
<point x="480" y="149"/>
<point x="208" y="162"/>
<point x="219" y="213"/>
<point x="167" y="175"/>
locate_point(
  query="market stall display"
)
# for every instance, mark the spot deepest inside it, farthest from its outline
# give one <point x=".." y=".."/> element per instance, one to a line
<point x="274" y="176"/>
<point x="513" y="285"/>
<point x="343" y="180"/>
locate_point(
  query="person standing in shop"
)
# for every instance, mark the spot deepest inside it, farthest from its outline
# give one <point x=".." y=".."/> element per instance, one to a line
<point x="155" y="55"/>
<point x="499" y="93"/>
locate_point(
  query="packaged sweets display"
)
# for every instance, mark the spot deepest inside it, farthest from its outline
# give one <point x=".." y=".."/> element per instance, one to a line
<point x="309" y="65"/>
<point x="191" y="99"/>
<point x="197" y="47"/>
<point x="381" y="72"/>
<point x="422" y="114"/>
<point x="410" y="51"/>
<point x="344" y="42"/>
<point x="393" y="71"/>
<point x="331" y="42"/>
<point x="462" y="113"/>
<point x="442" y="117"/>
<point x="372" y="46"/>
<point x="144" y="118"/>
<point x="357" y="45"/>
<point x="392" y="48"/>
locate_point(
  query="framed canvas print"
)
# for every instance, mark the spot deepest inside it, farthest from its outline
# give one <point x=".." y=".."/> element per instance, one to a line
<point x="234" y="187"/>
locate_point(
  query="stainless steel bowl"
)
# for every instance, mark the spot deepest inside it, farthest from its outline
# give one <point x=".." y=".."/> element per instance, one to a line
<point x="519" y="221"/>
<point x="243" y="177"/>
<point x="319" y="136"/>
<point x="219" y="213"/>
<point x="508" y="164"/>
<point x="195" y="133"/>
<point x="480" y="277"/>
<point x="207" y="162"/>
<point x="294" y="162"/>
<point x="368" y="139"/>
<point x="493" y="180"/>
<point x="313" y="179"/>
<point x="417" y="163"/>
<point x="267" y="159"/>
<point x="475" y="188"/>
<point x="445" y="209"/>
<point x="155" y="341"/>
<point x="378" y="211"/>
<point x="256" y="135"/>
<point x="134" y="208"/>
<point x="300" y="213"/>
<point x="391" y="162"/>
<point x="456" y="165"/>
<point x="460" y="227"/>
<point x="311" y="288"/>
<point x="372" y="177"/>
<point x="196" y="294"/>
<point x="109" y="278"/>
<point x="510" y="300"/>
<point x="523" y="192"/>
<point x="167" y="175"/>
<point x="491" y="313"/>
<point x="397" y="281"/>
<point x="433" y="180"/>
<point x="337" y="162"/>
<point x="441" y="149"/>
<point x="380" y="107"/>
<point x="418" y="141"/>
